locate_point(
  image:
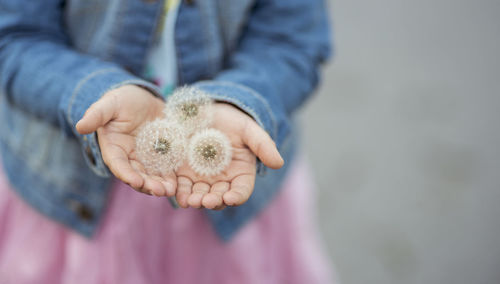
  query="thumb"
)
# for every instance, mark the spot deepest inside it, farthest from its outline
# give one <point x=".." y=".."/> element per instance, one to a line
<point x="97" y="115"/>
<point x="261" y="144"/>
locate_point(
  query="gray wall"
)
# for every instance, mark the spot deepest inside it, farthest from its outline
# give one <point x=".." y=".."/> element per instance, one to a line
<point x="404" y="141"/>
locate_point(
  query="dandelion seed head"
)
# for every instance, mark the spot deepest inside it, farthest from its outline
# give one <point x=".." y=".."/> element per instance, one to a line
<point x="209" y="152"/>
<point x="191" y="108"/>
<point x="160" y="146"/>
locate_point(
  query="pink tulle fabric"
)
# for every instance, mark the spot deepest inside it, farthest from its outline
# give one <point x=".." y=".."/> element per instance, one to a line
<point x="143" y="240"/>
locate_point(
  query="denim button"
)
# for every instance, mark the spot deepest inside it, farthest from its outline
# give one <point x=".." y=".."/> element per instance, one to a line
<point x="83" y="211"/>
<point x="89" y="154"/>
<point x="189" y="2"/>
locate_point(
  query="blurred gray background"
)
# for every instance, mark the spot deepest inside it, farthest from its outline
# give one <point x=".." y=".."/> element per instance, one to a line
<point x="404" y="139"/>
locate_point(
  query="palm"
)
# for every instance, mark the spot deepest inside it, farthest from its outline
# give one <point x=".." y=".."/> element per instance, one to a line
<point x="233" y="185"/>
<point x="119" y="141"/>
<point x="117" y="118"/>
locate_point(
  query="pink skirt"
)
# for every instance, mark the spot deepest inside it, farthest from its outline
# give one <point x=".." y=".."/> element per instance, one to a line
<point x="143" y="240"/>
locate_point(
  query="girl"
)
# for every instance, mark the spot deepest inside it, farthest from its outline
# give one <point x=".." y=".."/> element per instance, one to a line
<point x="84" y="76"/>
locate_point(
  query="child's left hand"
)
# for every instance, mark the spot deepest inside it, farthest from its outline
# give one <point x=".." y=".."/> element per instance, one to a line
<point x="235" y="184"/>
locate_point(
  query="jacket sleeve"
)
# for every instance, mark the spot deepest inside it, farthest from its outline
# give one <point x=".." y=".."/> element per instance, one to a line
<point x="276" y="64"/>
<point x="41" y="74"/>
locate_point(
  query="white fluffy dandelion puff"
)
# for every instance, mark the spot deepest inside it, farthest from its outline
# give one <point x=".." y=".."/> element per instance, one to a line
<point x="160" y="146"/>
<point x="191" y="108"/>
<point x="209" y="152"/>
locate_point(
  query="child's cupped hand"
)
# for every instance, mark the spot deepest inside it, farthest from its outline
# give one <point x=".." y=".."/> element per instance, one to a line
<point x="120" y="113"/>
<point x="117" y="117"/>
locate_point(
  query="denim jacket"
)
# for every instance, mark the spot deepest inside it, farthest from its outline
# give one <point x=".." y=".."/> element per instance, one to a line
<point x="58" y="57"/>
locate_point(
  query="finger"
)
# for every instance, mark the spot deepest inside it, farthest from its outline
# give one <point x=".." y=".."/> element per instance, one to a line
<point x="261" y="144"/>
<point x="240" y="190"/>
<point x="118" y="163"/>
<point x="155" y="184"/>
<point x="199" y="190"/>
<point x="97" y="115"/>
<point x="150" y="185"/>
<point x="170" y="183"/>
<point x="184" y="186"/>
<point x="213" y="199"/>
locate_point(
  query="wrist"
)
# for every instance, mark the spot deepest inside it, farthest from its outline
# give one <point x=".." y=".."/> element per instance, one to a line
<point x="224" y="104"/>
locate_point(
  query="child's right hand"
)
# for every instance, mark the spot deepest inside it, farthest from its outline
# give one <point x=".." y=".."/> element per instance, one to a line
<point x="117" y="117"/>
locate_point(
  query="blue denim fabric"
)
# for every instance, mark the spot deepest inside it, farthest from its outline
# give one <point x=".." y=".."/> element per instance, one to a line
<point x="58" y="57"/>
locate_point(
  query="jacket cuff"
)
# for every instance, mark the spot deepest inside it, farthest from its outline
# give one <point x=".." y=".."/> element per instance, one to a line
<point x="88" y="91"/>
